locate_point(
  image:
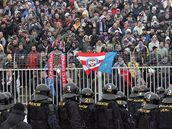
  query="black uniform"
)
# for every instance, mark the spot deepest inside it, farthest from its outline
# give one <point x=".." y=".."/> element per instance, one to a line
<point x="69" y="114"/>
<point x="165" y="116"/>
<point x="87" y="115"/>
<point x="42" y="114"/>
<point x="137" y="99"/>
<point x="107" y="111"/>
<point x="108" y="115"/>
<point x="87" y="109"/>
<point x="131" y="104"/>
<point x="128" y="122"/>
<point x="165" y="111"/>
<point x="146" y="116"/>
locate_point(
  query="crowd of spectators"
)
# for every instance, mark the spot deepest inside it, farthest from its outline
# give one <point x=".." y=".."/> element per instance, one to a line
<point x="32" y="29"/>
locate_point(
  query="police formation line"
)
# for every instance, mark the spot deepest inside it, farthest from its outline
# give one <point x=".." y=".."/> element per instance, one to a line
<point x="142" y="110"/>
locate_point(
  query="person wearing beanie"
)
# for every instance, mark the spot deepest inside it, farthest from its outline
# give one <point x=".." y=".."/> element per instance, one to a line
<point x="15" y="119"/>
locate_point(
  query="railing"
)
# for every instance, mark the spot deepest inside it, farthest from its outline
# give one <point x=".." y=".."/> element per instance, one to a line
<point x="39" y="60"/>
<point x="22" y="82"/>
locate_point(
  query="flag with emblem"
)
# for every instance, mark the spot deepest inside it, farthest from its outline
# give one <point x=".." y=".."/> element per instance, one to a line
<point x="91" y="61"/>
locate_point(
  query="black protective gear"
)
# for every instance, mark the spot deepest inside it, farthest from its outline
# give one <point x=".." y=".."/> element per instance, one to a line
<point x="70" y="90"/>
<point x="110" y="91"/>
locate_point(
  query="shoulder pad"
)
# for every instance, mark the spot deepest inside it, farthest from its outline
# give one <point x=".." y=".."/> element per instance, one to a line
<point x="83" y="106"/>
<point x="62" y="104"/>
<point x="34" y="104"/>
<point x="144" y="110"/>
<point x="102" y="104"/>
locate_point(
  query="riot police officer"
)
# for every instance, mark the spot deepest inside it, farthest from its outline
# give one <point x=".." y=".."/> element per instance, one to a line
<point x="139" y="98"/>
<point x="126" y="116"/>
<point x="9" y="103"/>
<point x="3" y="107"/>
<point x="42" y="114"/>
<point x="133" y="95"/>
<point x="107" y="111"/>
<point x="146" y="116"/>
<point x="165" y="111"/>
<point x="87" y="108"/>
<point x="160" y="91"/>
<point x="69" y="113"/>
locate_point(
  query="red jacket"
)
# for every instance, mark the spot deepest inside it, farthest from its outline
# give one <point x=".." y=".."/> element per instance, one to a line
<point x="32" y="60"/>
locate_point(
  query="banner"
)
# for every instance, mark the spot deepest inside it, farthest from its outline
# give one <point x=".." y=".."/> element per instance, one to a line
<point x="51" y="73"/>
<point x="51" y="66"/>
<point x="63" y="68"/>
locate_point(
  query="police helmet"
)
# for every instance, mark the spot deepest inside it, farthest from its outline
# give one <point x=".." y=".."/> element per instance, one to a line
<point x="160" y="90"/>
<point x="134" y="92"/>
<point x="168" y="96"/>
<point x="142" y="90"/>
<point x="70" y="90"/>
<point x="87" y="96"/>
<point x="42" y="92"/>
<point x="121" y="98"/>
<point x="10" y="99"/>
<point x="152" y="100"/>
<point x="110" y="91"/>
<point x="3" y="101"/>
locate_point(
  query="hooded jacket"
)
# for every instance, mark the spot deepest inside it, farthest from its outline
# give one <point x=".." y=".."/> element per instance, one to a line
<point x="15" y="121"/>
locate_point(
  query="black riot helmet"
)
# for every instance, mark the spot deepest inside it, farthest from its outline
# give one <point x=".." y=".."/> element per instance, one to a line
<point x="142" y="90"/>
<point x="3" y="101"/>
<point x="121" y="98"/>
<point x="168" y="96"/>
<point x="134" y="92"/>
<point x="42" y="92"/>
<point x="152" y="100"/>
<point x="121" y="95"/>
<point x="160" y="90"/>
<point x="87" y="95"/>
<point x="70" y="90"/>
<point x="110" y="91"/>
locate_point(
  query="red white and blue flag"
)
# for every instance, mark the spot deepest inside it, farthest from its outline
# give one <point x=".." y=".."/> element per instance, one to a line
<point x="91" y="61"/>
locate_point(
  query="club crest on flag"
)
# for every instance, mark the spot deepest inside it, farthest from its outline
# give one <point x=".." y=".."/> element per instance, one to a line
<point x="91" y="62"/>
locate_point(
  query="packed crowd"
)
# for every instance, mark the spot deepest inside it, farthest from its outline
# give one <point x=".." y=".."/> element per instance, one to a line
<point x="31" y="29"/>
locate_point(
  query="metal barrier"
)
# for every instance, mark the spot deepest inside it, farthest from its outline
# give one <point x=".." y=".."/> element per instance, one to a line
<point x="39" y="60"/>
<point x="22" y="82"/>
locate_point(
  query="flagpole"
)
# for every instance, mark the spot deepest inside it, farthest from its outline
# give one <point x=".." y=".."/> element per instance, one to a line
<point x="100" y="85"/>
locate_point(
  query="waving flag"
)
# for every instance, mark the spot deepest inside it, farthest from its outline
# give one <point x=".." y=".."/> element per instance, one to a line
<point x="91" y="61"/>
<point x="106" y="65"/>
